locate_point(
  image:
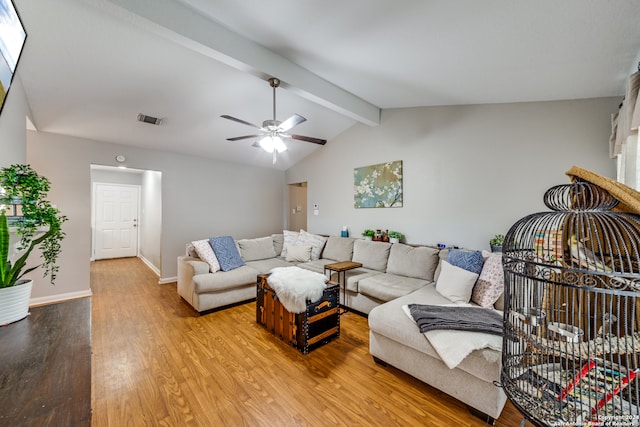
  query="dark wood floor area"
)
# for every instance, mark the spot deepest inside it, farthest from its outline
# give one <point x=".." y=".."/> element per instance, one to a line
<point x="45" y="367"/>
<point x="157" y="363"/>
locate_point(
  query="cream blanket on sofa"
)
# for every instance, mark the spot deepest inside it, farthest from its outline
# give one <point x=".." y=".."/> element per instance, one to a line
<point x="295" y="285"/>
<point x="454" y="346"/>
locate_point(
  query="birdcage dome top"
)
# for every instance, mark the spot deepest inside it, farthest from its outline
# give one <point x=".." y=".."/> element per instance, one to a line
<point x="581" y="235"/>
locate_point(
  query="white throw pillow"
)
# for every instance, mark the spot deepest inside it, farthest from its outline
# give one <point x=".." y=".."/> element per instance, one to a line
<point x="299" y="253"/>
<point x="205" y="253"/>
<point x="316" y="241"/>
<point x="290" y="239"/>
<point x="455" y="283"/>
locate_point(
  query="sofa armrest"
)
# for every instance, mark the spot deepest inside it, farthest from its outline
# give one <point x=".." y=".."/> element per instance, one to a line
<point x="187" y="268"/>
<point x="199" y="266"/>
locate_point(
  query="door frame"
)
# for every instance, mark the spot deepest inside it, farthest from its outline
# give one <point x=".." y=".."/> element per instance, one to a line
<point x="93" y="215"/>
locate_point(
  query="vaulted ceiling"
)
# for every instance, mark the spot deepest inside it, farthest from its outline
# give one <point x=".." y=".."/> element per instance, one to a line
<point x="90" y="66"/>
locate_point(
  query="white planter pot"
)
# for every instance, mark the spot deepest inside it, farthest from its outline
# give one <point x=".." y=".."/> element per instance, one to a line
<point x="367" y="238"/>
<point x="394" y="240"/>
<point x="14" y="302"/>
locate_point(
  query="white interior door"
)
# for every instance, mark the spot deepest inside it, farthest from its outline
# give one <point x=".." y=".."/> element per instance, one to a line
<point x="116" y="221"/>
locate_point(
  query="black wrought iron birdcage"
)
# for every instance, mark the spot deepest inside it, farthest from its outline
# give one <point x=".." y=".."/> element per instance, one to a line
<point x="572" y="312"/>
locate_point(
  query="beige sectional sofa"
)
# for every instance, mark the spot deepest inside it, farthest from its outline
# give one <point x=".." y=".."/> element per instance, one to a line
<point x="391" y="276"/>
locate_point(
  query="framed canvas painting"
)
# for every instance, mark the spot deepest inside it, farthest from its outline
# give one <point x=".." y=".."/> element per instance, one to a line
<point x="378" y="186"/>
<point x="12" y="39"/>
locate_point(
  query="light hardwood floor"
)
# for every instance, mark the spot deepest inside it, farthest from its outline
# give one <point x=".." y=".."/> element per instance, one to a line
<point x="156" y="362"/>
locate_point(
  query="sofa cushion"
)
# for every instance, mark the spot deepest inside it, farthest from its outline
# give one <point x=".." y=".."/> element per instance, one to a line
<point x="373" y="255"/>
<point x="469" y="260"/>
<point x="255" y="249"/>
<point x="278" y="241"/>
<point x="290" y="238"/>
<point x="385" y="286"/>
<point x="205" y="252"/>
<point x="222" y="280"/>
<point x="314" y="240"/>
<point x="355" y="276"/>
<point x="455" y="283"/>
<point x="317" y="265"/>
<point x="299" y="253"/>
<point x="417" y="262"/>
<point x="339" y="248"/>
<point x="490" y="284"/>
<point x="264" y="266"/>
<point x="227" y="252"/>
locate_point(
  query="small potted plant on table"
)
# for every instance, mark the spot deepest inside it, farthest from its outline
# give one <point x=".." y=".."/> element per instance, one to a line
<point x="368" y="234"/>
<point x="496" y="243"/>
<point x="34" y="222"/>
<point x="395" y="236"/>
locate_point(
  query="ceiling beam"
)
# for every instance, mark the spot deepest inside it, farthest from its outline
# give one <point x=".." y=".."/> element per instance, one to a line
<point x="185" y="26"/>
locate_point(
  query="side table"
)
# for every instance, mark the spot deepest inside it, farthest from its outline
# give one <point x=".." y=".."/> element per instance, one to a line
<point x="341" y="268"/>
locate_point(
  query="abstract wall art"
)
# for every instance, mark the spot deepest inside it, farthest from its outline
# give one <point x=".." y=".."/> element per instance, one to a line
<point x="378" y="186"/>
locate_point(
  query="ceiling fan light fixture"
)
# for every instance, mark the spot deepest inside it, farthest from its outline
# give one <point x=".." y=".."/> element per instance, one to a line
<point x="278" y="144"/>
<point x="272" y="131"/>
<point x="270" y="143"/>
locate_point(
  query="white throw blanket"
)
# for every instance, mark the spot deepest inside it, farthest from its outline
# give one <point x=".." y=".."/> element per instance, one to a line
<point x="453" y="346"/>
<point x="295" y="285"/>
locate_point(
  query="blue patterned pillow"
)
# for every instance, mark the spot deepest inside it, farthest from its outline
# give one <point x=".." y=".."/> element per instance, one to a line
<point x="227" y="252"/>
<point x="469" y="260"/>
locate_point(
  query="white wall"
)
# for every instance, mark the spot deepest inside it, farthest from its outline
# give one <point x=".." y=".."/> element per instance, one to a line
<point x="200" y="198"/>
<point x="469" y="171"/>
<point x="13" y="129"/>
<point x="151" y="218"/>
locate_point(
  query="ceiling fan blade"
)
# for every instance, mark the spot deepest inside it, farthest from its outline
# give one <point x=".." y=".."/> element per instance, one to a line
<point x="309" y="139"/>
<point x="224" y="116"/>
<point x="291" y="122"/>
<point x="238" y="138"/>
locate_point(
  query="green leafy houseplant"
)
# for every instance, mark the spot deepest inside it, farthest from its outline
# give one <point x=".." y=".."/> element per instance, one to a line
<point x="395" y="235"/>
<point x="368" y="233"/>
<point x="497" y="240"/>
<point x="39" y="226"/>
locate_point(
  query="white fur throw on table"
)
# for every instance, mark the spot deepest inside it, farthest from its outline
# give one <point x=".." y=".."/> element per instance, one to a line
<point x="294" y="286"/>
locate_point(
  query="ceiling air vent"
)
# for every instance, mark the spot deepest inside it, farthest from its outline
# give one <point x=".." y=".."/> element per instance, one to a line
<point x="149" y="119"/>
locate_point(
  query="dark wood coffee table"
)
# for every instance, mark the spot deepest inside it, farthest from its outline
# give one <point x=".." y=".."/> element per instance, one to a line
<point x="341" y="268"/>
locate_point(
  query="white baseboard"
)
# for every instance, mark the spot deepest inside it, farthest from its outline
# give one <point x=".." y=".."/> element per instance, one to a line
<point x="33" y="302"/>
<point x="150" y="265"/>
<point x="162" y="280"/>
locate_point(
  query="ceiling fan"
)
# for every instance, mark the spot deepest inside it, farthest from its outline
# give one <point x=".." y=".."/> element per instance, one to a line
<point x="273" y="131"/>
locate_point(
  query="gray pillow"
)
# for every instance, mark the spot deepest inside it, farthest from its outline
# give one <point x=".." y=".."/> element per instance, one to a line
<point x="256" y="249"/>
<point x="373" y="255"/>
<point x="339" y="248"/>
<point x="418" y="262"/>
<point x="278" y="242"/>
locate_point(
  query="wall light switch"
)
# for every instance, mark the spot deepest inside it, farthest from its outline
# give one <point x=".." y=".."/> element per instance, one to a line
<point x="293" y="211"/>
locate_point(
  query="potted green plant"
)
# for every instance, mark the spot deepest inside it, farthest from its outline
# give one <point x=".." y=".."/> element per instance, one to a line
<point x="27" y="220"/>
<point x="395" y="236"/>
<point x="496" y="243"/>
<point x="368" y="234"/>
